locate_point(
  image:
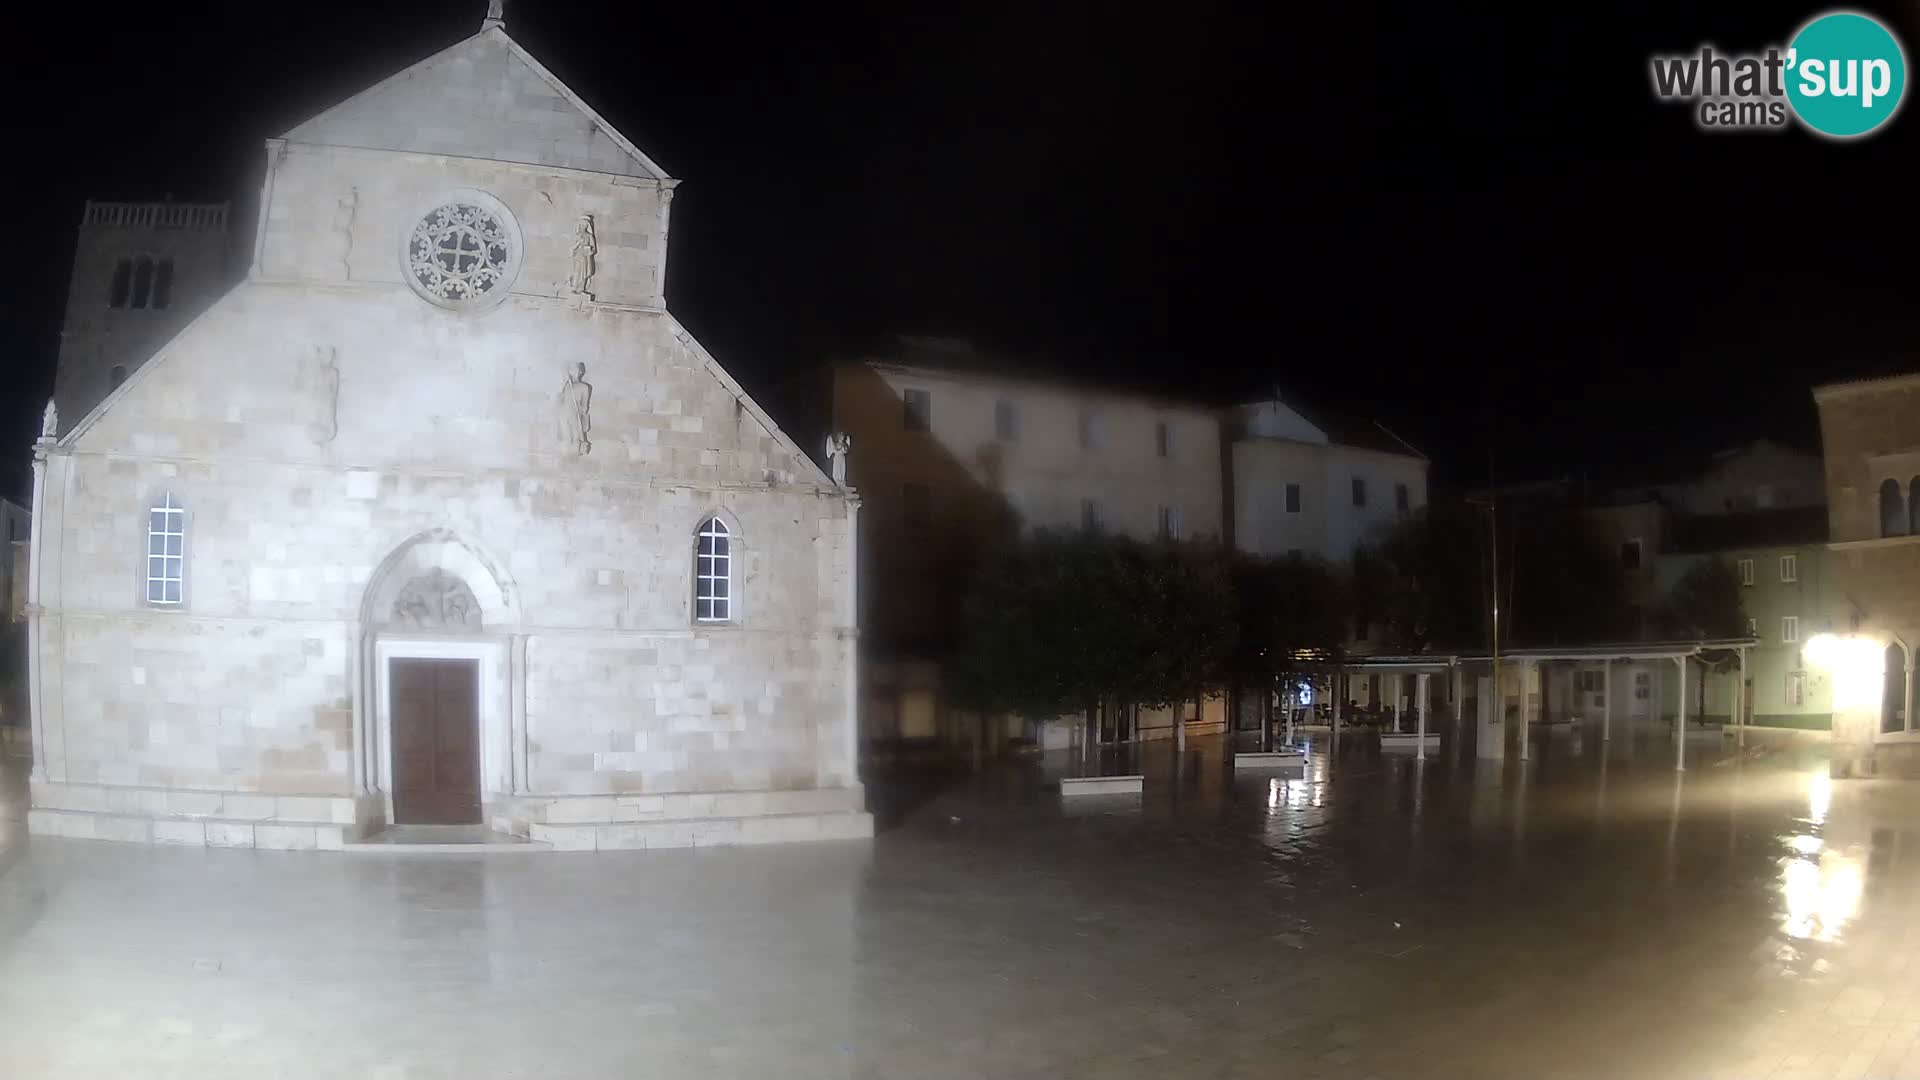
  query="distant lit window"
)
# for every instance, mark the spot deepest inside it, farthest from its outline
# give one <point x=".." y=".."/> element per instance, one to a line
<point x="1293" y="498"/>
<point x="1090" y="431"/>
<point x="1093" y="516"/>
<point x="1745" y="567"/>
<point x="1790" y="629"/>
<point x="919" y="414"/>
<point x="916" y="501"/>
<point x="1169" y="523"/>
<point x="1359" y="491"/>
<point x="713" y="572"/>
<point x="1796" y="688"/>
<point x="1163" y="439"/>
<point x="1006" y="421"/>
<point x="1630" y="554"/>
<point x="166" y="552"/>
<point x="1402" y="498"/>
<point x="1790" y="568"/>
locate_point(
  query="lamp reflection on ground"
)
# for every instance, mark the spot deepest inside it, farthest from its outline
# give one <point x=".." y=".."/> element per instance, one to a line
<point x="1821" y="895"/>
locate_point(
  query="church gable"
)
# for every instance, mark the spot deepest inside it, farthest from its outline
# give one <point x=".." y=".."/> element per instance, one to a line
<point x="485" y="97"/>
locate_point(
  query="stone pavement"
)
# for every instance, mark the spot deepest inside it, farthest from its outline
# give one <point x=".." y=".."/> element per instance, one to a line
<point x="1585" y="917"/>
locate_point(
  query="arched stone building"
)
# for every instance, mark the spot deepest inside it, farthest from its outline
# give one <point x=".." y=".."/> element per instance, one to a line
<point x="439" y="516"/>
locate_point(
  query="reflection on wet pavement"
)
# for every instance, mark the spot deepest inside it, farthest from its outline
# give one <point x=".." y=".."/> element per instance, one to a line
<point x="1584" y="914"/>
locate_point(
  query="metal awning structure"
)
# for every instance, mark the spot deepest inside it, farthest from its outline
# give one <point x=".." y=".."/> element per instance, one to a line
<point x="1679" y="652"/>
<point x="1624" y="650"/>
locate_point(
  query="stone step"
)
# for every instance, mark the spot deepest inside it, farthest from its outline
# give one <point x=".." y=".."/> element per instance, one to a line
<point x="703" y="832"/>
<point x="192" y="832"/>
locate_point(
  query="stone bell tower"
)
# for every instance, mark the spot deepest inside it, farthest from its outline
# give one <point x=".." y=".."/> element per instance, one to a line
<point x="141" y="272"/>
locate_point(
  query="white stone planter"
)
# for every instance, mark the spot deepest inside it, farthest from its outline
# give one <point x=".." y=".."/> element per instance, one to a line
<point x="1270" y="759"/>
<point x="1408" y="740"/>
<point x="1073" y="786"/>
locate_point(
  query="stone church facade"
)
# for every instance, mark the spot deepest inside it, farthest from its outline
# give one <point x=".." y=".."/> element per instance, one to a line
<point x="439" y="516"/>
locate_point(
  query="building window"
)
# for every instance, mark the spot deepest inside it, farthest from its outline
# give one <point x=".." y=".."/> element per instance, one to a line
<point x="1093" y="516"/>
<point x="919" y="414"/>
<point x="1402" y="499"/>
<point x="1893" y="693"/>
<point x="461" y="253"/>
<point x="142" y="282"/>
<point x="1893" y="509"/>
<point x="1163" y="439"/>
<point x="1006" y="421"/>
<point x="1790" y="568"/>
<point x="1790" y="629"/>
<point x="122" y="283"/>
<point x="162" y="284"/>
<point x="1089" y="431"/>
<point x="1796" y="688"/>
<point x="166" y="552"/>
<point x="1293" y="498"/>
<point x="1169" y="523"/>
<point x="917" y="501"/>
<point x="1753" y="627"/>
<point x="1630" y="554"/>
<point x="1746" y="571"/>
<point x="117" y="376"/>
<point x="1359" y="491"/>
<point x="713" y="573"/>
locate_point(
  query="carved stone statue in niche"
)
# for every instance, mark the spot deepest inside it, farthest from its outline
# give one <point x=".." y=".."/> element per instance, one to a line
<point x="436" y="600"/>
<point x="576" y="403"/>
<point x="585" y="247"/>
<point x="343" y="214"/>
<point x="319" y="394"/>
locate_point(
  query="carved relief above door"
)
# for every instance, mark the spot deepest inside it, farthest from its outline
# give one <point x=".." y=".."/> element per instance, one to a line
<point x="436" y="600"/>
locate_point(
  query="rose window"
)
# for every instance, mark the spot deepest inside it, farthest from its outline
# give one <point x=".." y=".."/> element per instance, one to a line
<point x="459" y="253"/>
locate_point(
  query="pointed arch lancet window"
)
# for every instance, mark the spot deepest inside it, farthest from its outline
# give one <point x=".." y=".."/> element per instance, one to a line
<point x="122" y="283"/>
<point x="713" y="596"/>
<point x="1893" y="510"/>
<point x="166" y="552"/>
<point x="142" y="281"/>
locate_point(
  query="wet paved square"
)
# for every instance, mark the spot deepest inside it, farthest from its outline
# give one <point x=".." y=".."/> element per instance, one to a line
<point x="1583" y="915"/>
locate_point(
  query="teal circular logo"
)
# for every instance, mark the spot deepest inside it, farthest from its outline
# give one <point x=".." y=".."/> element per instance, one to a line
<point x="1846" y="74"/>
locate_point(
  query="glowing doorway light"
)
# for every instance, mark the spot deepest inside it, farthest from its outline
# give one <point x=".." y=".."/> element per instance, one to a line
<point x="1857" y="666"/>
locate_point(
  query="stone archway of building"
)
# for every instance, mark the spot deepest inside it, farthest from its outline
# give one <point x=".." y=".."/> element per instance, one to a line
<point x="439" y="717"/>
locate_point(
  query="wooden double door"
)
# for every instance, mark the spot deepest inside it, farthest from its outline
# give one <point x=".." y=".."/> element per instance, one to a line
<point x="436" y="741"/>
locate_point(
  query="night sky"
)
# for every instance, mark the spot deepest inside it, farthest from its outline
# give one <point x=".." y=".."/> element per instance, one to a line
<point x="1481" y="229"/>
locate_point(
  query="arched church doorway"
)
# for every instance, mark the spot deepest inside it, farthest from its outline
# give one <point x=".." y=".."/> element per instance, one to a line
<point x="441" y="738"/>
<point x="436" y="740"/>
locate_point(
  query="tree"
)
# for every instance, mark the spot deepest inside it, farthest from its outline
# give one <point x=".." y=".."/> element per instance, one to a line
<point x="1061" y="623"/>
<point x="1705" y="603"/>
<point x="1423" y="580"/>
<point x="1292" y="615"/>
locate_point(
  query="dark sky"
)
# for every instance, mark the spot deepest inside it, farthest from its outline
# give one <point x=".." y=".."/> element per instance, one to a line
<point x="1476" y="226"/>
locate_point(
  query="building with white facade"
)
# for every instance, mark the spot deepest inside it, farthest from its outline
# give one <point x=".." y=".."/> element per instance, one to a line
<point x="1318" y="483"/>
<point x="439" y="516"/>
